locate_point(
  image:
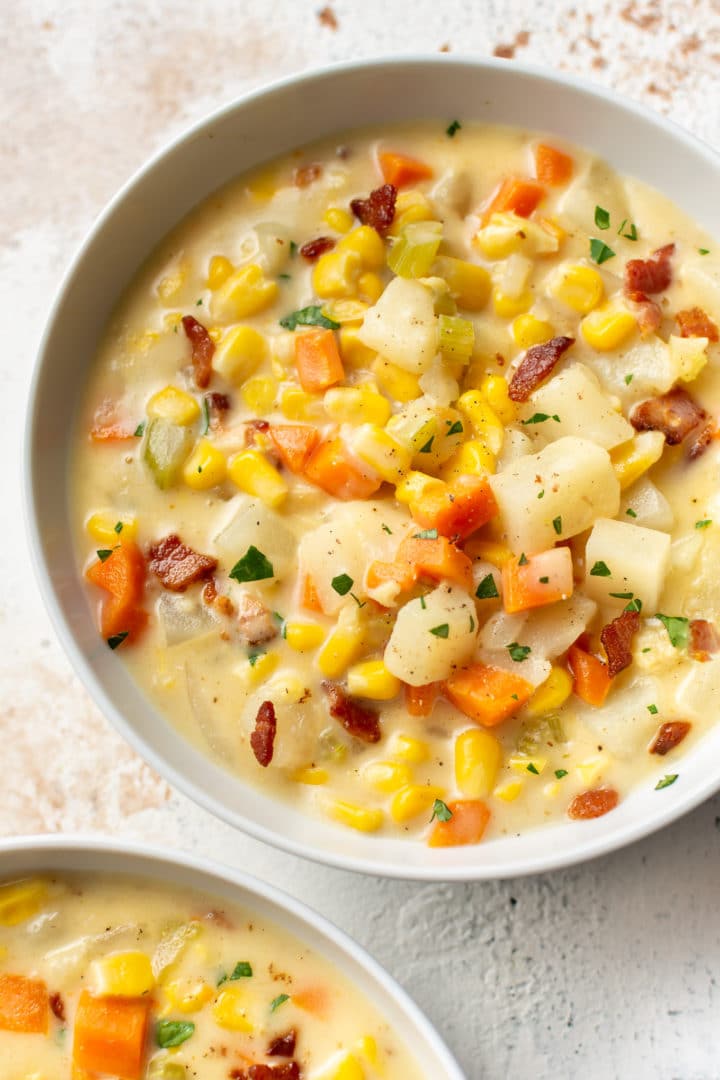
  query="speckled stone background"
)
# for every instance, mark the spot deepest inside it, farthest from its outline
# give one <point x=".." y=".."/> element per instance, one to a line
<point x="608" y="970"/>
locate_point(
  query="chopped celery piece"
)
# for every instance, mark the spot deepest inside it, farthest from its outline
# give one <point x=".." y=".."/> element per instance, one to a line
<point x="162" y="1069"/>
<point x="414" y="251"/>
<point x="456" y="336"/>
<point x="414" y="426"/>
<point x="535" y="734"/>
<point x="167" y="445"/>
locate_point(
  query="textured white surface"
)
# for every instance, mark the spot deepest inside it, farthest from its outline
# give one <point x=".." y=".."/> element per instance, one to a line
<point x="608" y="970"/>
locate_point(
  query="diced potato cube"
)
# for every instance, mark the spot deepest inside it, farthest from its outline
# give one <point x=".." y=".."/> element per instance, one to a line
<point x="638" y="560"/>
<point x="583" y="408"/>
<point x="688" y="356"/>
<point x="432" y="636"/>
<point x="402" y="326"/>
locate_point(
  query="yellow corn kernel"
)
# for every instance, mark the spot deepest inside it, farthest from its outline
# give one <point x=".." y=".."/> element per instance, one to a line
<point x="258" y="668"/>
<point x="345" y="311"/>
<point x="297" y="404"/>
<point x="367" y="1047"/>
<point x="473" y="459"/>
<point x="411" y="206"/>
<point x="346" y="1067"/>
<point x="590" y="770"/>
<point x="246" y="292"/>
<point x="552" y="694"/>
<point x="364" y="819"/>
<point x="336" y="273"/>
<point x="400" y="385"/>
<point x="387" y="776"/>
<point x="495" y="390"/>
<point x="259" y="394"/>
<point x="312" y="775"/>
<point x="304" y="636"/>
<point x="416" y="484"/>
<point x="189" y="996"/>
<point x="353" y="352"/>
<point x="483" y="418"/>
<point x="371" y="679"/>
<point x="478" y="756"/>
<point x="171" y="285"/>
<point x="522" y="763"/>
<point x="389" y="458"/>
<point x="103" y="527"/>
<point x="20" y="900"/>
<point x="508" y="306"/>
<point x="370" y="286"/>
<point x="509" y="790"/>
<point x="174" y="404"/>
<point x="580" y="287"/>
<point x="239" y="353"/>
<point x="263" y="184"/>
<point x="413" y="800"/>
<point x="368" y="244"/>
<point x="357" y="405"/>
<point x="251" y="471"/>
<point x="469" y="284"/>
<point x="205" y="467"/>
<point x="339" y="219"/>
<point x="635" y="457"/>
<point x="528" y="331"/>
<point x="497" y="241"/>
<point x="219" y="271"/>
<point x="122" y="974"/>
<point x="342" y="645"/>
<point x="229" y="1010"/>
<point x="607" y="327"/>
<point x="216" y="333"/>
<point x="489" y="551"/>
<point x="408" y="748"/>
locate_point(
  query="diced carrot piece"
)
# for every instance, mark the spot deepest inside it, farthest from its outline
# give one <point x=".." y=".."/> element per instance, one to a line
<point x="110" y="1035"/>
<point x="402" y="574"/>
<point x="317" y="360"/>
<point x="333" y="470"/>
<point x="313" y="999"/>
<point x="122" y="575"/>
<point x="419" y="700"/>
<point x="310" y="598"/>
<point x="486" y="694"/>
<point x="592" y="681"/>
<point x="400" y="170"/>
<point x="436" y="559"/>
<point x="516" y="194"/>
<point x="458" y="509"/>
<point x="467" y="825"/>
<point x="552" y="166"/>
<point x="295" y="444"/>
<point x="23" y="1004"/>
<point x="108" y="427"/>
<point x="537" y="580"/>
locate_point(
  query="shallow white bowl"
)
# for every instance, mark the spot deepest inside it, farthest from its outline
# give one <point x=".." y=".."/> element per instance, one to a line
<point x="258" y="127"/>
<point x="35" y="854"/>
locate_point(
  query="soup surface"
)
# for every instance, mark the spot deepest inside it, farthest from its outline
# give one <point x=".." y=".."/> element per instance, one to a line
<point x="127" y="978"/>
<point x="395" y="482"/>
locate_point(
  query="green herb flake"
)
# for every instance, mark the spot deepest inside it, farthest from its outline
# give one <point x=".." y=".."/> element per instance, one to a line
<point x="630" y="512"/>
<point x="428" y="445"/>
<point x="278" y="1001"/>
<point x="559" y="773"/>
<point x="602" y="218"/>
<point x="557" y="524"/>
<point x="518" y="653"/>
<point x="360" y="603"/>
<point x="441" y="631"/>
<point x="666" y="781"/>
<point x="387" y="529"/>
<point x="423" y="604"/>
<point x="514" y="697"/>
<point x="342" y="584"/>
<point x="634" y="605"/>
<point x="541" y="494"/>
<point x="621" y="595"/>
<point x="628" y="379"/>
<point x="426" y="534"/>
<point x="205" y="416"/>
<point x="118" y="527"/>
<point x="253" y="657"/>
<point x="533" y="769"/>
<point x="308" y="316"/>
<point x="441" y="811"/>
<point x="472" y="624"/>
<point x="703" y="251"/>
<point x="173" y="1032"/>
<point x="293" y="249"/>
<point x="647" y="649"/>
<point x="254" y="566"/>
<point x="117" y="639"/>
<point x="703" y="524"/>
<point x="600" y="252"/>
<point x="600" y="569"/>
<point x="677" y="627"/>
<point x="452" y="129"/>
<point x="523" y="560"/>
<point x="103" y="554"/>
<point x="284" y="277"/>
<point x="632" y="235"/>
<point x="653" y="710"/>
<point x="544" y="580"/>
<point x="139" y="430"/>
<point x="540" y="418"/>
<point x="456" y="429"/>
<point x="487" y="589"/>
<point x="242" y="970"/>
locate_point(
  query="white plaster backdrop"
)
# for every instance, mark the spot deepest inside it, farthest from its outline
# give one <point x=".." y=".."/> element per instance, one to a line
<point x="607" y="970"/>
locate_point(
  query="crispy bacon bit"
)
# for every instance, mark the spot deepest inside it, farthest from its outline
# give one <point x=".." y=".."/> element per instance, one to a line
<point x="536" y="365"/>
<point x="650" y="275"/>
<point x="177" y="565"/>
<point x="253" y="428"/>
<point x="704" y="639"/>
<point x="647" y="312"/>
<point x="592" y="804"/>
<point x="305" y="175"/>
<point x="617" y="639"/>
<point x="256" y="623"/>
<point x="328" y="18"/>
<point x="289" y="1070"/>
<point x="362" y="723"/>
<point x="695" y="323"/>
<point x="57" y="1006"/>
<point x="676" y="414"/>
<point x="283" y="1045"/>
<point x="700" y="441"/>
<point x="213" y="598"/>
<point x="668" y="736"/>
<point x="378" y="209"/>
<point x="203" y="348"/>
<point x="217" y="406"/>
<point x="313" y="249"/>
<point x="262" y="739"/>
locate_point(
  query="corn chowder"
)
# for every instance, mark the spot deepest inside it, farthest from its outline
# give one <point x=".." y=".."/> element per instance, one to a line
<point x="395" y="482"/>
<point x="130" y="979"/>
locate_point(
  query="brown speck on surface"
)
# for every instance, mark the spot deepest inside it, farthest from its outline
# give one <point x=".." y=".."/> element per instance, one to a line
<point x="648" y="18"/>
<point x="445" y="47"/>
<point x="507" y="52"/>
<point x="328" y="18"/>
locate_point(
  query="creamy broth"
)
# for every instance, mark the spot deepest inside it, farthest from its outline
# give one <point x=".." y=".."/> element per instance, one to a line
<point x="207" y="988"/>
<point x="210" y="666"/>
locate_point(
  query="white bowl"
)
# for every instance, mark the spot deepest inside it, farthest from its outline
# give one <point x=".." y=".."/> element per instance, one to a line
<point x="35" y="854"/>
<point x="258" y="127"/>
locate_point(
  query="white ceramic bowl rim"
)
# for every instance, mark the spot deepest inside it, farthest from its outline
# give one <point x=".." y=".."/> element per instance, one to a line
<point x="28" y="854"/>
<point x="689" y="175"/>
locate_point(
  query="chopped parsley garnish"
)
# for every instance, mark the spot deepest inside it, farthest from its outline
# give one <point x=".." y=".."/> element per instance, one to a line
<point x="308" y="316"/>
<point x="456" y="429"/>
<point x="206" y="416"/>
<point x="602" y="218"/>
<point x="198" y="302"/>
<point x="441" y="631"/>
<point x="285" y="277"/>
<point x="342" y="584"/>
<point x="426" y="534"/>
<point x="653" y="710"/>
<point x="242" y="970"/>
<point x="703" y="251"/>
<point x="117" y="639"/>
<point x="518" y="653"/>
<point x="621" y="595"/>
<point x="293" y="249"/>
<point x="139" y="430"/>
<point x="428" y="445"/>
<point x="600" y="569"/>
<point x="666" y="781"/>
<point x="423" y="605"/>
<point x="103" y="554"/>
<point x="677" y="627"/>
<point x="387" y="529"/>
<point x="628" y="379"/>
<point x="523" y="560"/>
<point x="278" y="1001"/>
<point x="559" y="773"/>
<point x="487" y="589"/>
<point x="540" y="418"/>
<point x="254" y="566"/>
<point x="557" y="524"/>
<point x="533" y="769"/>
<point x="173" y="1032"/>
<point x="600" y="252"/>
<point x="541" y="494"/>
<point x="630" y="512"/>
<point x="452" y="129"/>
<point x="118" y="527"/>
<point x="634" y="605"/>
<point x="360" y="603"/>
<point x="472" y="624"/>
<point x="544" y="580"/>
<point x="253" y="657"/>
<point x="441" y="811"/>
<point x="703" y="524"/>
<point x="632" y="235"/>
